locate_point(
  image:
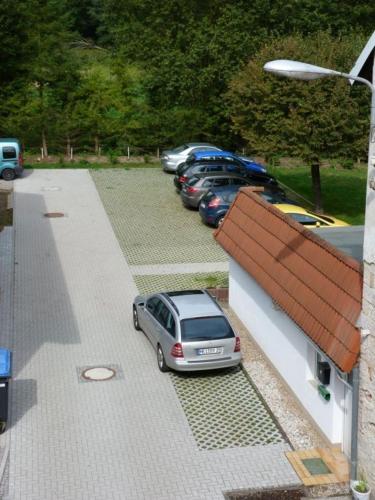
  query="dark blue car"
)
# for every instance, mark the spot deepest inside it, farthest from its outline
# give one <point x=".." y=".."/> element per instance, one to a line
<point x="216" y="202"/>
<point x="228" y="156"/>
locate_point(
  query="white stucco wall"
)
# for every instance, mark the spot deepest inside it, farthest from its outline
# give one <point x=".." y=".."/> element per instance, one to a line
<point x="287" y="348"/>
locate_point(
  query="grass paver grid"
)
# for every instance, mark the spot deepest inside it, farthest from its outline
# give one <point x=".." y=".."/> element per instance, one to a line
<point x="224" y="410"/>
<point x="149" y="220"/>
<point x="158" y="283"/>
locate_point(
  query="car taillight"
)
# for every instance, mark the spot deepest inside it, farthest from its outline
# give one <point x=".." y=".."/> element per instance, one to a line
<point x="190" y="189"/>
<point x="214" y="203"/>
<point x="237" y="347"/>
<point x="177" y="351"/>
<point x="20" y="160"/>
<point x="182" y="179"/>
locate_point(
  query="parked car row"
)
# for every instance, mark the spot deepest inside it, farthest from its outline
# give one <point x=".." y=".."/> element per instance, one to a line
<point x="223" y="173"/>
<point x="209" y="178"/>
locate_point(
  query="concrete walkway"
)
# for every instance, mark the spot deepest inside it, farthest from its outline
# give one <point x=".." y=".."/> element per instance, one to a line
<point x="126" y="438"/>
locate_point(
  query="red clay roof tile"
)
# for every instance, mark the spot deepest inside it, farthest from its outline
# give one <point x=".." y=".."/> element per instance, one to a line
<point x="319" y="287"/>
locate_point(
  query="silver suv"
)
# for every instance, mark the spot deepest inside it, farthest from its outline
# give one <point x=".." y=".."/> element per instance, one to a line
<point x="188" y="330"/>
<point x="171" y="159"/>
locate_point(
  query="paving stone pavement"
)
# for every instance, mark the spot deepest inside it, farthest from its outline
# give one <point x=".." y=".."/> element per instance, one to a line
<point x="126" y="438"/>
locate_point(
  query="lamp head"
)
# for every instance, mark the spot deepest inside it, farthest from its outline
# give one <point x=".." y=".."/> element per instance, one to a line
<point x="298" y="70"/>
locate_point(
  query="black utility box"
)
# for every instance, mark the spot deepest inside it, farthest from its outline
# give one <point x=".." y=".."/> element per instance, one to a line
<point x="324" y="372"/>
<point x="5" y="374"/>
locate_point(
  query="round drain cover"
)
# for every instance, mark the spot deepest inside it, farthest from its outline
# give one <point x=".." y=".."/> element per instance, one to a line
<point x="52" y="215"/>
<point x="98" y="373"/>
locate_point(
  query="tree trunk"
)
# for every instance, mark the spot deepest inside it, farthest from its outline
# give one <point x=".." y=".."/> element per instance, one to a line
<point x="41" y="110"/>
<point x="44" y="144"/>
<point x="96" y="145"/>
<point x="317" y="189"/>
<point x="68" y="146"/>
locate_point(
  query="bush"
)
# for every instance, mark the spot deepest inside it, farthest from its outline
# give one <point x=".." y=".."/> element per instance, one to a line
<point x="347" y="164"/>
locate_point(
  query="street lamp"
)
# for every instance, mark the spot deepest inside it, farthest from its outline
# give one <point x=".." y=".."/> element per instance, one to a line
<point x="303" y="71"/>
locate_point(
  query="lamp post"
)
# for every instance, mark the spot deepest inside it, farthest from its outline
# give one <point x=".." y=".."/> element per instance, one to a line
<point x="366" y="417"/>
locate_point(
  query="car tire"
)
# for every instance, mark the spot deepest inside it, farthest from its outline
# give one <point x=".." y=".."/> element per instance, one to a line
<point x="219" y="221"/>
<point x="161" y="360"/>
<point x="135" y="319"/>
<point x="8" y="174"/>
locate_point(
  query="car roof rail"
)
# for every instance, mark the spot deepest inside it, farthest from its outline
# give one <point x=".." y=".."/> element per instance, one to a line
<point x="170" y="301"/>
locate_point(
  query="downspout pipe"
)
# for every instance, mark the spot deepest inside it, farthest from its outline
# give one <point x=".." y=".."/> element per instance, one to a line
<point x="354" y="430"/>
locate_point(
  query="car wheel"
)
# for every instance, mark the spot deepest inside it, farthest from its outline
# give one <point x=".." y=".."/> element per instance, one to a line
<point x="8" y="174"/>
<point x="219" y="220"/>
<point x="161" y="360"/>
<point x="135" y="319"/>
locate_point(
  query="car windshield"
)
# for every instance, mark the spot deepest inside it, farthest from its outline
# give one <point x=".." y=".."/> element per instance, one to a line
<point x="320" y="216"/>
<point x="180" y="149"/>
<point x="210" y="328"/>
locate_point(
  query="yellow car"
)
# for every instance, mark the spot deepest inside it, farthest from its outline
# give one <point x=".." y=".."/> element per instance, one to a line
<point x="309" y="219"/>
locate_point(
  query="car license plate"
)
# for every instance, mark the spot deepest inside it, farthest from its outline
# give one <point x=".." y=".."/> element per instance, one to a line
<point x="210" y="350"/>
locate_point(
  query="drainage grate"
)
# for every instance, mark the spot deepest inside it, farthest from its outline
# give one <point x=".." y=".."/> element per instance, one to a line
<point x="224" y="410"/>
<point x="316" y="466"/>
<point x="54" y="215"/>
<point x="99" y="373"/>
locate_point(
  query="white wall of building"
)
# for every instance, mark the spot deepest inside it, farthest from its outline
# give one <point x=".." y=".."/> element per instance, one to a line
<point x="287" y="348"/>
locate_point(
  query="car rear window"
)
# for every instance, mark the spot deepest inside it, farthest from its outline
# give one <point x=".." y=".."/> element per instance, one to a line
<point x="230" y="196"/>
<point x="9" y="153"/>
<point x="210" y="328"/>
<point x="180" y="149"/>
<point x="192" y="181"/>
<point x="209" y="196"/>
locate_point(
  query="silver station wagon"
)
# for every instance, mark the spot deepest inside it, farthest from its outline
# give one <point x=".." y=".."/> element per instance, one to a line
<point x="188" y="330"/>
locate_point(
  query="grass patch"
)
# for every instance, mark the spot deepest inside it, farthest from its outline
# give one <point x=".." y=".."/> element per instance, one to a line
<point x="92" y="166"/>
<point x="343" y="191"/>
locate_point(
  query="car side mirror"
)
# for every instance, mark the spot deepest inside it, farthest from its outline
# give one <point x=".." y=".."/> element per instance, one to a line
<point x="317" y="224"/>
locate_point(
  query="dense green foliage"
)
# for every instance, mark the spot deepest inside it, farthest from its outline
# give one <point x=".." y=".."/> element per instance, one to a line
<point x="317" y="119"/>
<point x="113" y="73"/>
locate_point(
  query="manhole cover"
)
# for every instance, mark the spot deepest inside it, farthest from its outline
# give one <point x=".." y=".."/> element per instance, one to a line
<point x="53" y="215"/>
<point x="98" y="373"/>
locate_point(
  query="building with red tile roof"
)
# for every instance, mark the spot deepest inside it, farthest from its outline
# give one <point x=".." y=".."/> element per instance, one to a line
<point x="300" y="298"/>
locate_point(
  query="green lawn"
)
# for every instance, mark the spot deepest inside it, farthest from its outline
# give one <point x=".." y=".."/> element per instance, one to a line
<point x="344" y="191"/>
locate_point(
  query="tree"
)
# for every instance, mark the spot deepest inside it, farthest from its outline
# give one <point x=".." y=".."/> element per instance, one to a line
<point x="310" y="120"/>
